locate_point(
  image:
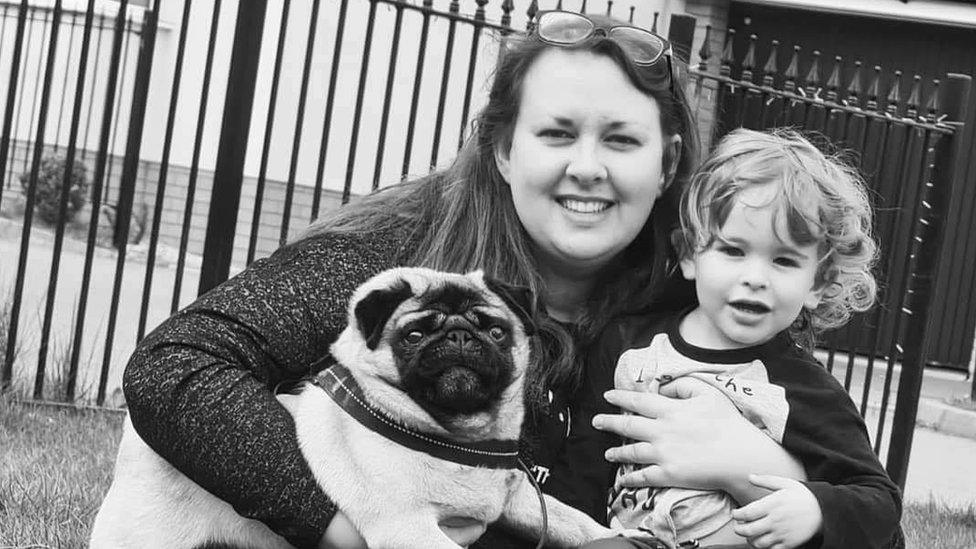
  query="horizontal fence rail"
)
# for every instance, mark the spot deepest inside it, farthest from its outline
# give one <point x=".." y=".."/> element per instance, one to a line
<point x="174" y="173"/>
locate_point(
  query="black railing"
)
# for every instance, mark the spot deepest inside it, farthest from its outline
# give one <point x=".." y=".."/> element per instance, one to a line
<point x="357" y="115"/>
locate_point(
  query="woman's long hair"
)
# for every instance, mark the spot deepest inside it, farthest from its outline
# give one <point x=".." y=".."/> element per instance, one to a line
<point x="462" y="218"/>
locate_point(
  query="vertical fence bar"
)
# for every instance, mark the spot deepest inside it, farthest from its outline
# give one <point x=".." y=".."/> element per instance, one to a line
<point x="268" y="132"/>
<point x="329" y="104"/>
<point x="195" y="161"/>
<point x="387" y="100"/>
<point x="94" y="80"/>
<point x="32" y="190"/>
<point x="163" y="170"/>
<point x="9" y="353"/>
<point x="358" y="111"/>
<point x="64" y="82"/>
<point x="63" y="204"/>
<point x="20" y="97"/>
<point x="300" y="123"/>
<point x="418" y="77"/>
<point x="479" y="17"/>
<point x="127" y="184"/>
<point x="229" y="172"/>
<point x="111" y="88"/>
<point x="118" y="109"/>
<point x="926" y="250"/>
<point x="445" y="80"/>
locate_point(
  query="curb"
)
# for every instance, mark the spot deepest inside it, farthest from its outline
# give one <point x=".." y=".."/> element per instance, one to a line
<point x="945" y="418"/>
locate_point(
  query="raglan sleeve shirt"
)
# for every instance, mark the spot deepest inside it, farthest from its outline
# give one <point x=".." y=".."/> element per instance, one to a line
<point x="861" y="506"/>
<point x="200" y="387"/>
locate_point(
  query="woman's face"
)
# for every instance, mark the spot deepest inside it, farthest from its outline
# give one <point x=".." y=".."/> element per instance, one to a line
<point x="585" y="161"/>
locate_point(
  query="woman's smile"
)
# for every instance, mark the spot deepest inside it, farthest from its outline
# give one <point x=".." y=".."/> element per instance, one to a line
<point x="589" y="206"/>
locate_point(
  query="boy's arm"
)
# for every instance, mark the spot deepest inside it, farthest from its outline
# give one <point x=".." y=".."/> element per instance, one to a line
<point x="860" y="504"/>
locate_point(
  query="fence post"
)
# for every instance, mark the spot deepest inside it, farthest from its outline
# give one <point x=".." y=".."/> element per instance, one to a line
<point x="925" y="251"/>
<point x="225" y="199"/>
<point x="137" y="119"/>
<point x="6" y="372"/>
<point x="681" y="34"/>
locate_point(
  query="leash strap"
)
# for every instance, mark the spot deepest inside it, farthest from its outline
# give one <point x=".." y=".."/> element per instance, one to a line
<point x="340" y="384"/>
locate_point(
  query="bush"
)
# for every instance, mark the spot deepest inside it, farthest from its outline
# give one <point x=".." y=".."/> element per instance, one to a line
<point x="50" y="178"/>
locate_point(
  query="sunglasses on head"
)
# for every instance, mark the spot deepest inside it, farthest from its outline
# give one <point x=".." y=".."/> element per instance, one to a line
<point x="643" y="47"/>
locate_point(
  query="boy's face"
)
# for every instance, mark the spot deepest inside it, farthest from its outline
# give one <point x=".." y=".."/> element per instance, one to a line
<point x="753" y="280"/>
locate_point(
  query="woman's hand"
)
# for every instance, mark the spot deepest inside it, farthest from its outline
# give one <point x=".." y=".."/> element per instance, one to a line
<point x="692" y="436"/>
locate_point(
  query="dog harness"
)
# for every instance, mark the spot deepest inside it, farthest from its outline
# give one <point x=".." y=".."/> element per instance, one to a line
<point x="339" y="383"/>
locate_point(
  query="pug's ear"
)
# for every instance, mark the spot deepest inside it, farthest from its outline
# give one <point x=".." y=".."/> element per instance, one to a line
<point x="373" y="311"/>
<point x="518" y="299"/>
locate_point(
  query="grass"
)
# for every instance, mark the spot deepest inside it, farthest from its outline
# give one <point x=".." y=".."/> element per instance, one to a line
<point x="57" y="465"/>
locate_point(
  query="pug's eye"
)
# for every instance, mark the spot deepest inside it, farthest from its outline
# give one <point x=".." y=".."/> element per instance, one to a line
<point x="413" y="337"/>
<point x="497" y="332"/>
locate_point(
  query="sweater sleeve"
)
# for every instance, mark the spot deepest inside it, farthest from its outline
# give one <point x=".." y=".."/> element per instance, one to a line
<point x="200" y="388"/>
<point x="861" y="506"/>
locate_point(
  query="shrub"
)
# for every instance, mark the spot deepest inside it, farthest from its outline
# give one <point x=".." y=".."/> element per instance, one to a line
<point x="50" y="178"/>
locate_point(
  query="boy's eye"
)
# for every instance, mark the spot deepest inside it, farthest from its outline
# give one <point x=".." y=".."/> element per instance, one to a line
<point x="730" y="250"/>
<point x="787" y="262"/>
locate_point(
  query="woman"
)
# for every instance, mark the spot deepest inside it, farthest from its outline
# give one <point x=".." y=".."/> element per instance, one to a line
<point x="568" y="185"/>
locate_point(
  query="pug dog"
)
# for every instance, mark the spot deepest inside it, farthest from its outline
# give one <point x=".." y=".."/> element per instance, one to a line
<point x="413" y="433"/>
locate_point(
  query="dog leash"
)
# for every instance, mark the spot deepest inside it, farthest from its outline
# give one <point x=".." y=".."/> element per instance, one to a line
<point x="542" y="503"/>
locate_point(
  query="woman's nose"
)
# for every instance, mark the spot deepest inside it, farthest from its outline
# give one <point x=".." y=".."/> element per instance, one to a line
<point x="585" y="165"/>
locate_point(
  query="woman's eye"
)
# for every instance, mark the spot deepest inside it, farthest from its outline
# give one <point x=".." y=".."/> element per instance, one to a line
<point x="623" y="140"/>
<point x="497" y="332"/>
<point x="413" y="337"/>
<point x="787" y="262"/>
<point x="555" y="134"/>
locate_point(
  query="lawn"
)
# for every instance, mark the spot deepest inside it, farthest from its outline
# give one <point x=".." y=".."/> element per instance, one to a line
<point x="57" y="464"/>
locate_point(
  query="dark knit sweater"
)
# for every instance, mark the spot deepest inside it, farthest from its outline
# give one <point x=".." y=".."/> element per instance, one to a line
<point x="200" y="388"/>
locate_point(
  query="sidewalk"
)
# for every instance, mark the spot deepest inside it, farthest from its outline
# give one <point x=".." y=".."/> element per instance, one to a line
<point x="939" y="388"/>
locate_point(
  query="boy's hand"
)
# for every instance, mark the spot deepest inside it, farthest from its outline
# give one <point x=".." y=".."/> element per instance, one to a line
<point x="784" y="519"/>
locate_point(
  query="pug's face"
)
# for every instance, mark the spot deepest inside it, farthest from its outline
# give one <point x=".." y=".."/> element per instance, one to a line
<point x="457" y="341"/>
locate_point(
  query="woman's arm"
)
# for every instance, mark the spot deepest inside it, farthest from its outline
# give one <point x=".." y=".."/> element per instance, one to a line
<point x="693" y="437"/>
<point x="200" y="387"/>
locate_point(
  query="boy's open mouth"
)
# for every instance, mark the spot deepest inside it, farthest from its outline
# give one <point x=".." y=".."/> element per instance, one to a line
<point x="752" y="307"/>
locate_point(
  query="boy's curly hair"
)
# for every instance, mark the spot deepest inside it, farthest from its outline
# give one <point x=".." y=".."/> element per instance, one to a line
<point x="824" y="199"/>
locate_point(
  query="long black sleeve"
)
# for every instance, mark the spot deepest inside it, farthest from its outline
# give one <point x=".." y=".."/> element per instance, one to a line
<point x="200" y="388"/>
<point x="861" y="506"/>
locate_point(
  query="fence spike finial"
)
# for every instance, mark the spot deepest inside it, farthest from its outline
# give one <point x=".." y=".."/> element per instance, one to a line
<point x="479" y="14"/>
<point x="654" y="24"/>
<point x="508" y="6"/>
<point x="750" y="60"/>
<point x="932" y="106"/>
<point x="812" y="83"/>
<point x="914" y="97"/>
<point x="874" y="90"/>
<point x="728" y="54"/>
<point x="894" y="96"/>
<point x="833" y="83"/>
<point x="609" y="8"/>
<point x="530" y="15"/>
<point x="854" y="88"/>
<point x="705" y="52"/>
<point x="770" y="68"/>
<point x="630" y="18"/>
<point x="792" y="71"/>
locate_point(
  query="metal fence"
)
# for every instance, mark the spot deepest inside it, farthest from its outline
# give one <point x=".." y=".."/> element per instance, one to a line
<point x="214" y="170"/>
